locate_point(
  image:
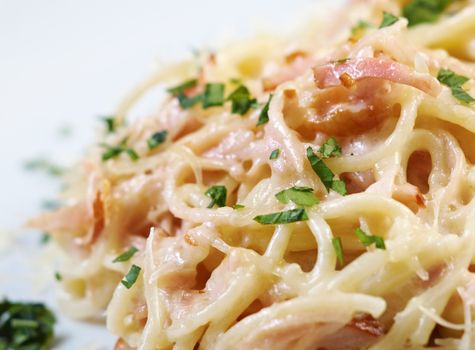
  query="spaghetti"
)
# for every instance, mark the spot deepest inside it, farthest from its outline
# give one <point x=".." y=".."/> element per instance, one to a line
<point x="315" y="192"/>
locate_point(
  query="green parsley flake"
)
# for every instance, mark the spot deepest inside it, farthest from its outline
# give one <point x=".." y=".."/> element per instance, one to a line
<point x="338" y="247"/>
<point x="302" y="196"/>
<point x="274" y="154"/>
<point x="131" y="277"/>
<point x="114" y="151"/>
<point x="127" y="255"/>
<point x="58" y="276"/>
<point x="110" y="123"/>
<point x="330" y="148"/>
<point x="264" y="115"/>
<point x="44" y="165"/>
<point x="213" y="95"/>
<point x="388" y="20"/>
<point x="45" y="238"/>
<point x="283" y="217"/>
<point x="325" y="174"/>
<point x="424" y="11"/>
<point x="181" y="88"/>
<point x="238" y="206"/>
<point x="25" y="326"/>
<point x="241" y="100"/>
<point x="367" y="240"/>
<point x="157" y="139"/>
<point x="455" y="82"/>
<point x="217" y="195"/>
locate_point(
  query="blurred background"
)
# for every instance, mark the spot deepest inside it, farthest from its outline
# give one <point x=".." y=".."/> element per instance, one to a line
<point x="64" y="63"/>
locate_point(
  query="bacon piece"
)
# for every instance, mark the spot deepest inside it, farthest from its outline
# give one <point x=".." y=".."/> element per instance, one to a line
<point x="335" y="74"/>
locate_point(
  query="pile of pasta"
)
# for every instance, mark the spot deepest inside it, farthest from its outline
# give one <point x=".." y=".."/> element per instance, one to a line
<point x="309" y="192"/>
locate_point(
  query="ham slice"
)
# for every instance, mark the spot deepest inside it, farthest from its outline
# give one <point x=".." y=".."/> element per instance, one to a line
<point x="347" y="72"/>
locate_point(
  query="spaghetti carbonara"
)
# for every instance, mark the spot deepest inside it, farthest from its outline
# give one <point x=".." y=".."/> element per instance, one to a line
<point x="312" y="192"/>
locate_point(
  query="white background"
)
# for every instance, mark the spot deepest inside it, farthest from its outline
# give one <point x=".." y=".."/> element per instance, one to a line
<point x="62" y="64"/>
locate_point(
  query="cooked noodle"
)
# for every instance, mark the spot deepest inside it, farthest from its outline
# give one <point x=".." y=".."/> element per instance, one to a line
<point x="216" y="278"/>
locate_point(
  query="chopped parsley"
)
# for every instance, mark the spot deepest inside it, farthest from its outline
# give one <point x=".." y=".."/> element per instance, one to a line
<point x="455" y="82"/>
<point x="44" y="165"/>
<point x="241" y="100"/>
<point x="25" y="326"/>
<point x="111" y="124"/>
<point x="213" y="95"/>
<point x="58" y="276"/>
<point x="330" y="148"/>
<point x="283" y="217"/>
<point x="424" y="11"/>
<point x="388" y="20"/>
<point x="302" y="196"/>
<point x="45" y="238"/>
<point x="131" y="277"/>
<point x="238" y="206"/>
<point x="217" y="195"/>
<point x="125" y="256"/>
<point x="157" y="139"/>
<point x="264" y="115"/>
<point x="179" y="92"/>
<point x="181" y="88"/>
<point x="367" y="240"/>
<point x="325" y="174"/>
<point x="274" y="154"/>
<point x="114" y="151"/>
<point x="338" y="247"/>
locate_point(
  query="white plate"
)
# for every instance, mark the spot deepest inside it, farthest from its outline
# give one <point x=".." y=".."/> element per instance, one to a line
<point x="62" y="64"/>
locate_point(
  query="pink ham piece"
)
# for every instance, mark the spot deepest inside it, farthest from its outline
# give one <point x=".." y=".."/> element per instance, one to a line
<point x="339" y="73"/>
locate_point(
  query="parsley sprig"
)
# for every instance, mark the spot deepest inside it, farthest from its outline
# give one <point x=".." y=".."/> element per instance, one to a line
<point x="302" y="196"/>
<point x="367" y="240"/>
<point x="283" y="217"/>
<point x="325" y="174"/>
<point x="114" y="151"/>
<point x="25" y="326"/>
<point x="388" y="20"/>
<point x="455" y="82"/>
<point x="218" y="196"/>
<point x="424" y="11"/>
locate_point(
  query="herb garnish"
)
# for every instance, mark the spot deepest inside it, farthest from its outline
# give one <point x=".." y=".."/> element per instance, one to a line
<point x="58" y="276"/>
<point x="213" y="95"/>
<point x="45" y="238"/>
<point x="283" y="217"/>
<point x="302" y="196"/>
<point x="424" y="11"/>
<point x="125" y="256"/>
<point x="264" y="115"/>
<point x="241" y="100"/>
<point x="157" y="139"/>
<point x="179" y="92"/>
<point x="25" y="326"/>
<point x="110" y="122"/>
<point x="217" y="195"/>
<point x="455" y="82"/>
<point x="338" y="247"/>
<point x="114" y="151"/>
<point x="274" y="154"/>
<point x="325" y="174"/>
<point x="131" y="277"/>
<point x="45" y="165"/>
<point x="238" y="206"/>
<point x="367" y="240"/>
<point x="388" y="20"/>
<point x="330" y="148"/>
